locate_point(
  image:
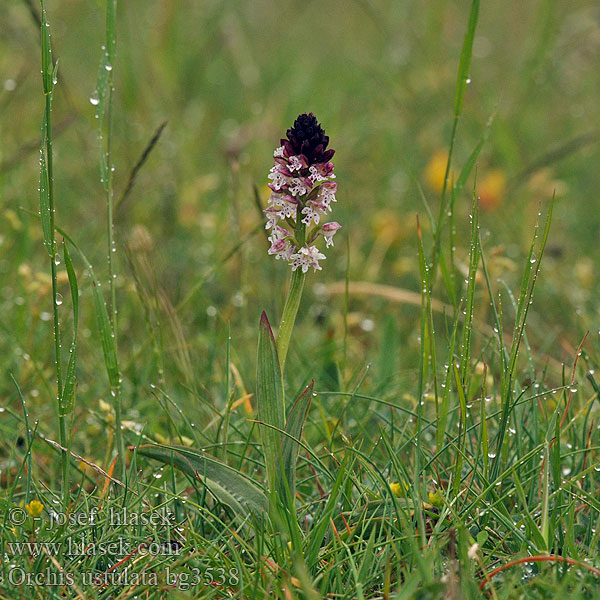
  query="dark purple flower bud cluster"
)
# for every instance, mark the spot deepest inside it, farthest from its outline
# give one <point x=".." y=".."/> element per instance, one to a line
<point x="308" y="138"/>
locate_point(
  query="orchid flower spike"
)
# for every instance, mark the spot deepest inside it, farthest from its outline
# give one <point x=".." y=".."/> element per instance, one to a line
<point x="302" y="191"/>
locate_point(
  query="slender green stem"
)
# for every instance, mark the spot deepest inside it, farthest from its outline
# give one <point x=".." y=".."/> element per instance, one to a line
<point x="292" y="302"/>
<point x="290" y="310"/>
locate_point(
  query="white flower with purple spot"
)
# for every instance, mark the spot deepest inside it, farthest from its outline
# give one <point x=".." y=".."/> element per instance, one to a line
<point x="296" y="163"/>
<point x="307" y="257"/>
<point x="327" y="193"/>
<point x="279" y="180"/>
<point x="321" y="172"/>
<point x="298" y="187"/>
<point x="328" y="231"/>
<point x="282" y="249"/>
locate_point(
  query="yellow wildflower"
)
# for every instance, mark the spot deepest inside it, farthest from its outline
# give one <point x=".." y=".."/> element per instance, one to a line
<point x="397" y="487"/>
<point x="436" y="500"/>
<point x="34" y="508"/>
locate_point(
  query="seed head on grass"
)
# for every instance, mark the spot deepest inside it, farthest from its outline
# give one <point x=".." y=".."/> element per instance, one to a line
<point x="302" y="191"/>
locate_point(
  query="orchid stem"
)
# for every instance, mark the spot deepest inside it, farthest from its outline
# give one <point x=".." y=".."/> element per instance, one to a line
<point x="290" y="310"/>
<point x="292" y="302"/>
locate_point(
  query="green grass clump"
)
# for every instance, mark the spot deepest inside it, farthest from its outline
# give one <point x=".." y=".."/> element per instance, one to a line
<point x="448" y="446"/>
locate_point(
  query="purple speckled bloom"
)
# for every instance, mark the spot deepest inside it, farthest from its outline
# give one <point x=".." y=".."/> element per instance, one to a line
<point x="302" y="191"/>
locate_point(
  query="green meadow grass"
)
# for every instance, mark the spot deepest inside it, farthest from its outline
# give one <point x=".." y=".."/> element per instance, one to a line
<point x="451" y="440"/>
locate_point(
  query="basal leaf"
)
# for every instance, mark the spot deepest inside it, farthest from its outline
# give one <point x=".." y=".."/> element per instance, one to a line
<point x="269" y="396"/>
<point x="226" y="483"/>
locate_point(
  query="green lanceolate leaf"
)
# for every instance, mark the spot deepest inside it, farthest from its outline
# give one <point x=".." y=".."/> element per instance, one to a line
<point x="226" y="483"/>
<point x="106" y="336"/>
<point x="465" y="59"/>
<point x="68" y="392"/>
<point x="290" y="443"/>
<point x="45" y="194"/>
<point x="107" y="339"/>
<point x="269" y="396"/>
<point x="47" y="69"/>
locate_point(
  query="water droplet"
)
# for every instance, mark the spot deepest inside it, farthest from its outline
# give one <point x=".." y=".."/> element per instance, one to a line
<point x="58" y="299"/>
<point x="367" y="325"/>
<point x="108" y="67"/>
<point x="57" y="259"/>
<point x="94" y="98"/>
<point x="468" y="80"/>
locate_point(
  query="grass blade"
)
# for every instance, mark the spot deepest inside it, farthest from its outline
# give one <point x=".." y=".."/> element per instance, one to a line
<point x="45" y="194"/>
<point x="289" y="444"/>
<point x="68" y="391"/>
<point x="462" y="78"/>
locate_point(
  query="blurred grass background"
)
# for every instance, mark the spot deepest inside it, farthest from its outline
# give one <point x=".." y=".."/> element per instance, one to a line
<point x="230" y="77"/>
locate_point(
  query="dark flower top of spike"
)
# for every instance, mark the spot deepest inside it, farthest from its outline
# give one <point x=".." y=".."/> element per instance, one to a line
<point x="308" y="138"/>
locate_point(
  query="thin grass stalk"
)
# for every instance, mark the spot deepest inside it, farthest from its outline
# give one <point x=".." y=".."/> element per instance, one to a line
<point x="425" y="298"/>
<point x="470" y="303"/>
<point x="525" y="301"/>
<point x="111" y="9"/>
<point x="462" y="79"/>
<point x="346" y="309"/>
<point x="106" y="84"/>
<point x="47" y="181"/>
